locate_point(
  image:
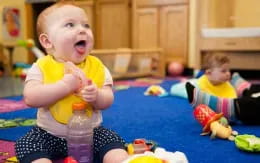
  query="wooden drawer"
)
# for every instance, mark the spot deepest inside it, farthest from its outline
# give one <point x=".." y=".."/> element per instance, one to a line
<point x="247" y="44"/>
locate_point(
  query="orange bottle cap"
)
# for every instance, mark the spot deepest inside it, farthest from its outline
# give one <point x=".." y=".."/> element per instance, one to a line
<point x="79" y="105"/>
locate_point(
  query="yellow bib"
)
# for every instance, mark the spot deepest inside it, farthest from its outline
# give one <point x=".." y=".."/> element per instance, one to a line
<point x="53" y="71"/>
<point x="224" y="90"/>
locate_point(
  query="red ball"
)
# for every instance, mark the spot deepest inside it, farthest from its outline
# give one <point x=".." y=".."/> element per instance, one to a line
<point x="175" y="68"/>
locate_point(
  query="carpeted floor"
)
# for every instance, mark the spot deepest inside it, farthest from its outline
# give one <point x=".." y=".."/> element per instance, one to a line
<point x="167" y="120"/>
<point x="6" y="150"/>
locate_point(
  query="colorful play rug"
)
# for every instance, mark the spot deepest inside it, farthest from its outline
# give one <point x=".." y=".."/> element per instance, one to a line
<point x="7" y="154"/>
<point x="16" y="118"/>
<point x="144" y="82"/>
<point x="7" y="105"/>
<point x="139" y="82"/>
<point x="10" y="119"/>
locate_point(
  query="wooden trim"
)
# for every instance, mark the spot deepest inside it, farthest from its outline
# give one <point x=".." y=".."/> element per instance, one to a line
<point x="133" y="24"/>
<point x="198" y="33"/>
<point x="142" y="3"/>
<point x="29" y="28"/>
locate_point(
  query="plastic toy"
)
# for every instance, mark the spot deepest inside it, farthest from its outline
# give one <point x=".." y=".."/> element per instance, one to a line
<point x="12" y="159"/>
<point x="140" y="146"/>
<point x="160" y="155"/>
<point x="222" y="130"/>
<point x="4" y="123"/>
<point x="249" y="143"/>
<point x="155" y="90"/>
<point x="21" y="69"/>
<point x="213" y="123"/>
<point x="29" y="44"/>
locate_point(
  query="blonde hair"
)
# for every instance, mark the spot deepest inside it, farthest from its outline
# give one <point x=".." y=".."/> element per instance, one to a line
<point x="41" y="25"/>
<point x="212" y="60"/>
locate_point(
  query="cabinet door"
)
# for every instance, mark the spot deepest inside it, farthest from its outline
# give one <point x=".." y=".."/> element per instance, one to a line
<point x="112" y="24"/>
<point x="174" y="32"/>
<point x="146" y="28"/>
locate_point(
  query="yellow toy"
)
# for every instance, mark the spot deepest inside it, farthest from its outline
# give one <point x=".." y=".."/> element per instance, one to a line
<point x="160" y="155"/>
<point x="150" y="159"/>
<point x="155" y="90"/>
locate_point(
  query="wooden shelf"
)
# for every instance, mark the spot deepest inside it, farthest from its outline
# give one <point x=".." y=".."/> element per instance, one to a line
<point x="134" y="67"/>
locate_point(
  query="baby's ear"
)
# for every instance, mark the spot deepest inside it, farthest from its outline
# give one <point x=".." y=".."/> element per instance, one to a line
<point x="44" y="40"/>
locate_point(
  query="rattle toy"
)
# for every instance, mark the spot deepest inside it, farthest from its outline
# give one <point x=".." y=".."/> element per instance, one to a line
<point x="213" y="123"/>
<point x="29" y="44"/>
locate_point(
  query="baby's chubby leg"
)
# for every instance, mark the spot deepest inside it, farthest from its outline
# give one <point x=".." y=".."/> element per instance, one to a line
<point x="42" y="160"/>
<point x="109" y="147"/>
<point x="115" y="156"/>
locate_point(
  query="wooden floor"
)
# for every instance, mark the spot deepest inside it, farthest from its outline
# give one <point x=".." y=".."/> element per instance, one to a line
<point x="10" y="86"/>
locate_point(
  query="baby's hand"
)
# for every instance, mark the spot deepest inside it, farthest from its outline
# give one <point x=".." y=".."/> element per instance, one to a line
<point x="89" y="92"/>
<point x="71" y="68"/>
<point x="72" y="82"/>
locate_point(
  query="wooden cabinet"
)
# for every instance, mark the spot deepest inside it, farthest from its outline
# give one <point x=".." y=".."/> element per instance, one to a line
<point x="162" y="24"/>
<point x="174" y="32"/>
<point x="146" y="28"/>
<point x="221" y="27"/>
<point x="112" y="24"/>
